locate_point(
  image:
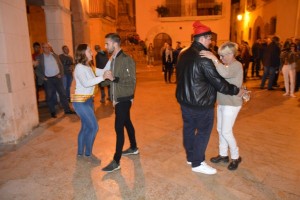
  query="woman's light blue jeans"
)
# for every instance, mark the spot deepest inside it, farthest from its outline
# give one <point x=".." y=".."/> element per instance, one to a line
<point x="89" y="126"/>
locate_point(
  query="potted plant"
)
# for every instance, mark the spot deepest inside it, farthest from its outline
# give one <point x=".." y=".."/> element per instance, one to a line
<point x="162" y="11"/>
<point x="218" y="9"/>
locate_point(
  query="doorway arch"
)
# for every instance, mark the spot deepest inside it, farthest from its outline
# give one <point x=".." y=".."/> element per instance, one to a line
<point x="158" y="43"/>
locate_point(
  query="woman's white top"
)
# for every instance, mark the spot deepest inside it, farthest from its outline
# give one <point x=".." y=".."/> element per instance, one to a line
<point x="86" y="80"/>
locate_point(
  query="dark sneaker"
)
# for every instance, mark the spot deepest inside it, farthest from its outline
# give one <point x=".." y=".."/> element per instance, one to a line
<point x="113" y="166"/>
<point x="53" y="115"/>
<point x="70" y="112"/>
<point x="130" y="151"/>
<point x="219" y="158"/>
<point x="92" y="159"/>
<point x="234" y="163"/>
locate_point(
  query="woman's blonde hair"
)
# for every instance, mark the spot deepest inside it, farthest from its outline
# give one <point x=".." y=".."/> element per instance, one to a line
<point x="228" y="47"/>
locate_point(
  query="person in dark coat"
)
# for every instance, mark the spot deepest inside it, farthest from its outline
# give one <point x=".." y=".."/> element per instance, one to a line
<point x="271" y="62"/>
<point x="197" y="85"/>
<point x="101" y="60"/>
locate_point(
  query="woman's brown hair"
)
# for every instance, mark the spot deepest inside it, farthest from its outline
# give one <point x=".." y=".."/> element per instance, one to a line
<point x="80" y="56"/>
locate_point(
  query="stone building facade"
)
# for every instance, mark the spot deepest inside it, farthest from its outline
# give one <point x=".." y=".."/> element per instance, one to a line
<point x="263" y="18"/>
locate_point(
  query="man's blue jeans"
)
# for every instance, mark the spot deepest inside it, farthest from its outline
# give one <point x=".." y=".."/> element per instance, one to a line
<point x="67" y="81"/>
<point x="89" y="126"/>
<point x="53" y="85"/>
<point x="197" y="127"/>
<point x="268" y="71"/>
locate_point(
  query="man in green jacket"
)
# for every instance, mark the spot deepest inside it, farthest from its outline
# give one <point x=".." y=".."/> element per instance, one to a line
<point x="122" y="90"/>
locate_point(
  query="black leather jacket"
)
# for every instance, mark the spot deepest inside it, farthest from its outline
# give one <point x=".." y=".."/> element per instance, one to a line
<point x="198" y="80"/>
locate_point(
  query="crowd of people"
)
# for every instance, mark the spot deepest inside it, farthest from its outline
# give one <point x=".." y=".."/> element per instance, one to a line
<point x="205" y="74"/>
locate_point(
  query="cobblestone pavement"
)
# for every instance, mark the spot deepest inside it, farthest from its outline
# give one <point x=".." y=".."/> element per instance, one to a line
<point x="44" y="166"/>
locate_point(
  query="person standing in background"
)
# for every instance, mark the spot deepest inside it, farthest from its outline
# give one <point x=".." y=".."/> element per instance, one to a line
<point x="256" y="53"/>
<point x="288" y="60"/>
<point x="245" y="55"/>
<point x="50" y="72"/>
<point x="150" y="55"/>
<point x="68" y="64"/>
<point x="271" y="62"/>
<point x="101" y="59"/>
<point x="168" y="62"/>
<point x="177" y="52"/>
<point x="162" y="50"/>
<point x="36" y="52"/>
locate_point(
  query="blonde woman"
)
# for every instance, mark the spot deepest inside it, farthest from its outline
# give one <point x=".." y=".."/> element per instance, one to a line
<point x="86" y="80"/>
<point x="228" y="106"/>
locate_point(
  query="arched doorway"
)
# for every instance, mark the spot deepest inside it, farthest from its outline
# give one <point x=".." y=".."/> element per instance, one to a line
<point x="158" y="43"/>
<point x="258" y="32"/>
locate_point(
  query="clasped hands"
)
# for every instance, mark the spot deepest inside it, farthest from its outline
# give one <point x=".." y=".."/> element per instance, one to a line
<point x="108" y="75"/>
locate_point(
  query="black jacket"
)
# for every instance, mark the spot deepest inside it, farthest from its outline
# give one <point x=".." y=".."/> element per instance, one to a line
<point x="272" y="56"/>
<point x="198" y="80"/>
<point x="101" y="59"/>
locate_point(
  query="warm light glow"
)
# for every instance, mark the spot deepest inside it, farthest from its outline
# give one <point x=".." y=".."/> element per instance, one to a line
<point x="247" y="17"/>
<point x="239" y="17"/>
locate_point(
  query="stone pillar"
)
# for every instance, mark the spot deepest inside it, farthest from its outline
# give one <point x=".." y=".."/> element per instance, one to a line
<point x="58" y="27"/>
<point x="18" y="106"/>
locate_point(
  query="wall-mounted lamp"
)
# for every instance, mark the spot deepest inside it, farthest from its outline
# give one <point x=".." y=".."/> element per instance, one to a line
<point x="239" y="17"/>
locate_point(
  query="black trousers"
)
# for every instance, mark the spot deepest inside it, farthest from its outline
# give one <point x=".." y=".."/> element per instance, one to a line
<point x="255" y="67"/>
<point x="122" y="119"/>
<point x="168" y="72"/>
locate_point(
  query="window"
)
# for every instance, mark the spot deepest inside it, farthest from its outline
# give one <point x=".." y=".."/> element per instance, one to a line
<point x="273" y="22"/>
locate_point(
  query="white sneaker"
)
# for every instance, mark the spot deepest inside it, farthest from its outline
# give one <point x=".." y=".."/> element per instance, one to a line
<point x="188" y="162"/>
<point x="204" y="168"/>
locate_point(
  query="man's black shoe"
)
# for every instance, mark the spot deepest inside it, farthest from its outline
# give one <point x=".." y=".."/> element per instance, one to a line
<point x="219" y="158"/>
<point x="234" y="163"/>
<point x="70" y="112"/>
<point x="53" y="115"/>
<point x="130" y="151"/>
<point x="113" y="166"/>
<point x="271" y="89"/>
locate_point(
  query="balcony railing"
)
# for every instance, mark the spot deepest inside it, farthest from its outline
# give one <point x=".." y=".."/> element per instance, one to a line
<point x="200" y="8"/>
<point x="204" y="9"/>
<point x="98" y="8"/>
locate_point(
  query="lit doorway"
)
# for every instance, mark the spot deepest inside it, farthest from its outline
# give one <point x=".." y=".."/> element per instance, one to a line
<point x="158" y="43"/>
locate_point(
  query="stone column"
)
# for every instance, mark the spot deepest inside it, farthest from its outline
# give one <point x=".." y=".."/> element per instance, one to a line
<point x="58" y="27"/>
<point x="18" y="106"/>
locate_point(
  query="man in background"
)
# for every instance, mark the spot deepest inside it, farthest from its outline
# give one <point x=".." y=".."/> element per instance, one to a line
<point x="68" y="65"/>
<point x="50" y="72"/>
<point x="101" y="60"/>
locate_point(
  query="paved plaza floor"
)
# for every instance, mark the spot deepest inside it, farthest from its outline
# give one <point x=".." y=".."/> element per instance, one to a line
<point x="44" y="166"/>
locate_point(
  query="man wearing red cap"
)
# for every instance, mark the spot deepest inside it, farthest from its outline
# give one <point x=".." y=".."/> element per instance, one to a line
<point x="197" y="85"/>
